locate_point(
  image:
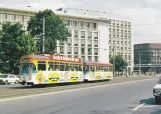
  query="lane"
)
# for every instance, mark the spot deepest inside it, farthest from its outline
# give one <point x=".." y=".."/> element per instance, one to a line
<point x="114" y="99"/>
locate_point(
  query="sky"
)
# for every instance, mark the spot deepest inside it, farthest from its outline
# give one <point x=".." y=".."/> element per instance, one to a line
<point x="145" y="15"/>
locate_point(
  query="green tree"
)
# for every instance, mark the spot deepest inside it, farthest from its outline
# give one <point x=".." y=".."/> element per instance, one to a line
<point x="55" y="29"/>
<point x="120" y="63"/>
<point x="14" y="44"/>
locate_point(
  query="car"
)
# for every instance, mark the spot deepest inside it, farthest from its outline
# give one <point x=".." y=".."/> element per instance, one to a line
<point x="157" y="91"/>
<point x="9" y="78"/>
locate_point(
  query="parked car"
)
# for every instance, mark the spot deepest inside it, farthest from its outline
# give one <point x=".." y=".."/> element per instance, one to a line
<point x="9" y="78"/>
<point x="157" y="91"/>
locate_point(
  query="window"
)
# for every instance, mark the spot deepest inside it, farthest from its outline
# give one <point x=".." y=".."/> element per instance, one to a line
<point x="76" y="68"/>
<point x="90" y="42"/>
<point x="69" y="40"/>
<point x="82" y="50"/>
<point x="75" y="50"/>
<point x="83" y="58"/>
<point x="74" y="24"/>
<point x="76" y="42"/>
<point x="80" y="67"/>
<point x="81" y="25"/>
<point x="61" y="49"/>
<point x="89" y="51"/>
<point x="2" y="17"/>
<point x="71" y="67"/>
<point x="66" y="67"/>
<point x="10" y="18"/>
<point x="19" y="18"/>
<point x="69" y="50"/>
<point x="82" y="34"/>
<point x="94" y="25"/>
<point x="96" y="51"/>
<point x="83" y="42"/>
<point x="89" y="35"/>
<point x="96" y="59"/>
<point x="75" y="33"/>
<point x="87" y="25"/>
<point x="95" y="35"/>
<point x="89" y="58"/>
<point x="42" y="66"/>
<point x="95" y="43"/>
<point x="62" y="67"/>
<point x="67" y="22"/>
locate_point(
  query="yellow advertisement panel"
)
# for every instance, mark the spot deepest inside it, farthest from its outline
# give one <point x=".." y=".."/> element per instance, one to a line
<point x="98" y="76"/>
<point x="109" y="75"/>
<point x="74" y="77"/>
<point x="54" y="77"/>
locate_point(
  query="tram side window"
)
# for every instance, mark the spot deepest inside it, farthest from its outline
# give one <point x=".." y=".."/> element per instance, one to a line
<point x="80" y="67"/>
<point x="56" y="67"/>
<point x="62" y="68"/>
<point x="71" y="67"/>
<point x="106" y="69"/>
<point x="33" y="67"/>
<point x="92" y="68"/>
<point x="76" y="68"/>
<point x="110" y="69"/>
<point x="66" y="67"/>
<point x="51" y="66"/>
<point x="42" y="65"/>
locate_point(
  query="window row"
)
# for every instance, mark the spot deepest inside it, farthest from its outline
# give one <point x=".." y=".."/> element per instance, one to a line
<point x="14" y="18"/>
<point x="56" y="66"/>
<point x="88" y="68"/>
<point x="81" y="24"/>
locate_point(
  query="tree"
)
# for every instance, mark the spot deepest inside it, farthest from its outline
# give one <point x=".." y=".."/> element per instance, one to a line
<point x="14" y="44"/>
<point x="55" y="29"/>
<point x="120" y="63"/>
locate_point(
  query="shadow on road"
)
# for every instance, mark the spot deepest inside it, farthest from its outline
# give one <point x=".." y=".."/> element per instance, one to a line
<point x="149" y="101"/>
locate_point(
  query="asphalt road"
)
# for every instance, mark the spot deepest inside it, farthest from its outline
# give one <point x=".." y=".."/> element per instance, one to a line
<point x="129" y="98"/>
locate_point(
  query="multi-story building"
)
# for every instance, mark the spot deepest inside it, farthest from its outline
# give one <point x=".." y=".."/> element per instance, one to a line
<point x="149" y="53"/>
<point x="120" y="33"/>
<point x="120" y="40"/>
<point x="89" y="39"/>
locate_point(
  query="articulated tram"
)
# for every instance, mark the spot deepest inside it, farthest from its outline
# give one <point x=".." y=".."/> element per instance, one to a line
<point x="50" y="69"/>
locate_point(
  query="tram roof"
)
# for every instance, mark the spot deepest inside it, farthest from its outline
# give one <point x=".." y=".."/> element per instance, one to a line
<point x="53" y="57"/>
<point x="97" y="63"/>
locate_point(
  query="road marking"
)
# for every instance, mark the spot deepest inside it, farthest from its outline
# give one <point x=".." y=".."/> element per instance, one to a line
<point x="65" y="91"/>
<point x="138" y="107"/>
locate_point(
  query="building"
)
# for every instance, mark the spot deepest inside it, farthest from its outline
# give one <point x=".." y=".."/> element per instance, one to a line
<point x="120" y="33"/>
<point x="120" y="39"/>
<point x="89" y="39"/>
<point x="150" y="53"/>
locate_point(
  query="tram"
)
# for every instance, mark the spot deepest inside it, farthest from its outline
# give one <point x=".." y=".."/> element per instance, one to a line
<point x="51" y="69"/>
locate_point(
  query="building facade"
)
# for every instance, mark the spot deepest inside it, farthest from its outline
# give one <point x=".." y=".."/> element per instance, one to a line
<point x="89" y="34"/>
<point x="148" y="53"/>
<point x="120" y="39"/>
<point x="120" y="33"/>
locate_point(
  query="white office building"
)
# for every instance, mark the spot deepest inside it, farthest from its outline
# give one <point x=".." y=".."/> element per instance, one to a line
<point x="89" y="39"/>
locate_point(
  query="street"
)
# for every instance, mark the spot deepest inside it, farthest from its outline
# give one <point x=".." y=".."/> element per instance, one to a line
<point x="128" y="98"/>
